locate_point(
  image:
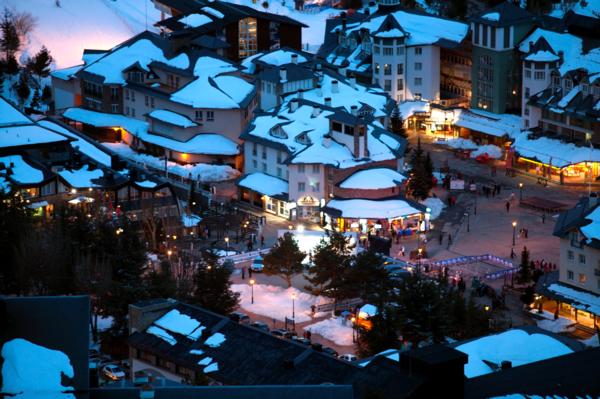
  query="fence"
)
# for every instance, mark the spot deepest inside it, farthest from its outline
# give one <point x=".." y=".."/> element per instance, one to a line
<point x="243" y="257"/>
<point x="342" y="305"/>
<point x="508" y="266"/>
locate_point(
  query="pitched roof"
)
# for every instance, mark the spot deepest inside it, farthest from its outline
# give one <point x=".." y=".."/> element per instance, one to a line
<point x="504" y="14"/>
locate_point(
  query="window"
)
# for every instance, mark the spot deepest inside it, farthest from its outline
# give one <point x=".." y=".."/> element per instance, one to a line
<point x="126" y="110"/>
<point x="539" y="75"/>
<point x="151" y="102"/>
<point x="279" y="157"/>
<point x="570" y="275"/>
<point x="114" y="93"/>
<point x="376" y="68"/>
<point x="126" y="94"/>
<point x="248" y="33"/>
<point x="387" y="69"/>
<point x="301" y="168"/>
<point x="526" y="123"/>
<point x="254" y="149"/>
<point x="527" y="92"/>
<point x="278" y="172"/>
<point x="376" y="49"/>
<point x="264" y="167"/>
<point x="399" y="50"/>
<point x="484" y="34"/>
<point x="493" y="34"/>
<point x="400" y="69"/>
<point x="528" y="73"/>
<point x="254" y="164"/>
<point x="596" y="91"/>
<point x="114" y="108"/>
<point x="418" y="50"/>
<point x="316" y="187"/>
<point x="568" y="84"/>
<point x="387" y="85"/>
<point x="132" y="96"/>
<point x="582" y="278"/>
<point x="146" y="101"/>
<point x="506" y="37"/>
<point x="388" y="51"/>
<point x="316" y="168"/>
<point x="418" y="81"/>
<point x="476" y="39"/>
<point x="400" y="83"/>
<point x="418" y="66"/>
<point x="301" y="187"/>
<point x="582" y="259"/>
<point x="264" y="153"/>
<point x="575" y="239"/>
<point x="133" y="112"/>
<point x="526" y="111"/>
<point x="570" y="255"/>
<point x="210" y="115"/>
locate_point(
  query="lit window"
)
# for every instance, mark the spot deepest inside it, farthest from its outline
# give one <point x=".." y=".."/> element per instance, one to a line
<point x="582" y="278"/>
<point x="248" y="43"/>
<point x="582" y="258"/>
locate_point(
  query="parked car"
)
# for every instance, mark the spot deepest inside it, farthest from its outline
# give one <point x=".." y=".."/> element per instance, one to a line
<point x="301" y="340"/>
<point x="260" y="325"/>
<point x="240" y="317"/>
<point x="349" y="357"/>
<point x="330" y="351"/>
<point x="281" y="333"/>
<point x="113" y="372"/>
<point x="257" y="264"/>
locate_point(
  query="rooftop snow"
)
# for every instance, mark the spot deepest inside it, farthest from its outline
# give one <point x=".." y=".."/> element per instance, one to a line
<point x="33" y="370"/>
<point x="372" y="209"/>
<point x="162" y="334"/>
<point x="16" y="136"/>
<point x="517" y="346"/>
<point x="421" y="29"/>
<point x="10" y="115"/>
<point x="485" y="122"/>
<point x="569" y="97"/>
<point x="172" y="118"/>
<point x="542" y="56"/>
<point x="66" y="73"/>
<point x="592" y="230"/>
<point x="179" y="323"/>
<point x="210" y="368"/>
<point x="264" y="184"/>
<point x="84" y="146"/>
<point x="373" y="179"/>
<point x="367" y="310"/>
<point x="142" y="51"/>
<point x="213" y="12"/>
<point x="215" y="340"/>
<point x="195" y="20"/>
<point x="146" y="184"/>
<point x="491" y="16"/>
<point x="100" y="119"/>
<point x="190" y="220"/>
<point x="581" y="300"/>
<point x="553" y="152"/>
<point x="22" y="172"/>
<point x="81" y="178"/>
<point x="280" y="57"/>
<point x="390" y="33"/>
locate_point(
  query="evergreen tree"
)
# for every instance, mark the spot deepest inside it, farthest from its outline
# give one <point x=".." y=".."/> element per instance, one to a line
<point x="22" y="88"/>
<point x="12" y="66"/>
<point x="420" y="181"/>
<point x="212" y="287"/>
<point x="9" y="38"/>
<point x="161" y="284"/>
<point x="35" y="100"/>
<point x="381" y="336"/>
<point x="331" y="263"/>
<point x="524" y="273"/>
<point x="428" y="169"/>
<point x="285" y="259"/>
<point x="397" y="124"/>
<point x="39" y="65"/>
<point x="458" y="9"/>
<point x="528" y="295"/>
<point x="368" y="279"/>
<point x="47" y="94"/>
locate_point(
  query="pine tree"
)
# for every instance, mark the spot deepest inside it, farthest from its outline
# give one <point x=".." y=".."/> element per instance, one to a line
<point x="22" y="87"/>
<point x="529" y="295"/>
<point x="12" y="66"/>
<point x="40" y="64"/>
<point x="458" y="9"/>
<point x="524" y="273"/>
<point x="285" y="259"/>
<point x="397" y="124"/>
<point x="9" y="40"/>
<point x="47" y="94"/>
<point x="212" y="287"/>
<point x="381" y="336"/>
<point x="368" y="279"/>
<point x="420" y="178"/>
<point x="35" y="100"/>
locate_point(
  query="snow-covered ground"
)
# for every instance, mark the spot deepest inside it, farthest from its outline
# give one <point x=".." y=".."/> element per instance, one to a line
<point x="562" y="324"/>
<point x="493" y="151"/>
<point x="276" y="302"/>
<point x="200" y="171"/>
<point x="436" y="205"/>
<point x="334" y="330"/>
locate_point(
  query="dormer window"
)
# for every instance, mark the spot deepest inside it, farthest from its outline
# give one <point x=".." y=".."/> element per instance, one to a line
<point x="277" y="131"/>
<point x="568" y="85"/>
<point x="585" y="88"/>
<point x="556" y="80"/>
<point x="303" y="139"/>
<point x="135" y="76"/>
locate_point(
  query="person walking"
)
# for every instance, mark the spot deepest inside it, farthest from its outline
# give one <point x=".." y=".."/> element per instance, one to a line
<point x="449" y="240"/>
<point x="243" y="273"/>
<point x="507" y="206"/>
<point x="262" y="240"/>
<point x="250" y="272"/>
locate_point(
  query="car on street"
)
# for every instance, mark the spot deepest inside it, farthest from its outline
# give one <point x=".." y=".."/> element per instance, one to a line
<point x="113" y="372"/>
<point x="283" y="334"/>
<point x="240" y="317"/>
<point x="301" y="340"/>
<point x="330" y="351"/>
<point x="260" y="325"/>
<point x="349" y="357"/>
<point x="257" y="264"/>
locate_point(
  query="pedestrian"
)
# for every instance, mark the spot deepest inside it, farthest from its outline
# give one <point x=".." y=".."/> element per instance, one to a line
<point x="544" y="218"/>
<point x="308" y="334"/>
<point x="243" y="273"/>
<point x="402" y="250"/>
<point x="249" y="245"/>
<point x="262" y="240"/>
<point x="512" y="253"/>
<point x="507" y="206"/>
<point x="313" y="310"/>
<point x="526" y="231"/>
<point x="441" y="238"/>
<point x="250" y="272"/>
<point x="449" y="240"/>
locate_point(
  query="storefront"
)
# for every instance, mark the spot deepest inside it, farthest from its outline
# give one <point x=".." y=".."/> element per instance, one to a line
<point x="308" y="208"/>
<point x="266" y="192"/>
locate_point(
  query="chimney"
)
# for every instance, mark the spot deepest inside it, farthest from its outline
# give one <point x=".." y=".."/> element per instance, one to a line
<point x="319" y="67"/>
<point x="328" y="101"/>
<point x="561" y="55"/>
<point x="293" y="105"/>
<point x="343" y="16"/>
<point x="354" y="110"/>
<point x="294" y="58"/>
<point x="353" y="81"/>
<point x="319" y="91"/>
<point x="505" y="365"/>
<point x="283" y="74"/>
<point x="592" y="200"/>
<point x="342" y="70"/>
<point x="335" y="88"/>
<point x="301" y="94"/>
<point x="316" y="111"/>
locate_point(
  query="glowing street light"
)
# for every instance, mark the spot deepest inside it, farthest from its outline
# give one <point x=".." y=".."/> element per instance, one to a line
<point x="300" y="228"/>
<point x="169" y="253"/>
<point x="227" y="241"/>
<point x="520" y="191"/>
<point x="293" y="306"/>
<point x="252" y="282"/>
<point x="514" y="225"/>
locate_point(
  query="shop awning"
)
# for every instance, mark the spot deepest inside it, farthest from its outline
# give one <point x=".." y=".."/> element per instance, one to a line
<point x="373" y="209"/>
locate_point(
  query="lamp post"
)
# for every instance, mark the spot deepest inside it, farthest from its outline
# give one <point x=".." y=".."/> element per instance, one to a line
<point x="353" y="320"/>
<point x="514" y="225"/>
<point x="520" y="191"/>
<point x="252" y="282"/>
<point x="293" y="306"/>
<point x="419" y="255"/>
<point x="468" y="222"/>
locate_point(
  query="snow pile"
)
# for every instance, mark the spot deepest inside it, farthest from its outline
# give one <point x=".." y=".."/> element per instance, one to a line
<point x="162" y="334"/>
<point x="556" y="326"/>
<point x="180" y="323"/>
<point x="491" y="150"/>
<point x="81" y="178"/>
<point x="459" y="143"/>
<point x="436" y="205"/>
<point x="592" y="341"/>
<point x="280" y="57"/>
<point x="172" y="118"/>
<point x="517" y="346"/>
<point x="373" y="179"/>
<point x="215" y="340"/>
<point x="338" y="330"/>
<point x="33" y="369"/>
<point x="276" y="302"/>
<point x="199" y="171"/>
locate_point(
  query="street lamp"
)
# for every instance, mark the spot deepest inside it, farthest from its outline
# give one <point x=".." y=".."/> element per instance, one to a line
<point x="514" y="225"/>
<point x="293" y="306"/>
<point x="520" y="191"/>
<point x="353" y="320"/>
<point x="227" y="241"/>
<point x="252" y="282"/>
<point x="169" y="253"/>
<point x="468" y="222"/>
<point x="300" y="228"/>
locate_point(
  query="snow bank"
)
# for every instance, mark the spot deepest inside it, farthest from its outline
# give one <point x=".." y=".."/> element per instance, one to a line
<point x="459" y="143"/>
<point x="276" y="302"/>
<point x="334" y="330"/>
<point x="562" y="324"/>
<point x="436" y="205"/>
<point x="199" y="171"/>
<point x="31" y="368"/>
<point x="493" y="151"/>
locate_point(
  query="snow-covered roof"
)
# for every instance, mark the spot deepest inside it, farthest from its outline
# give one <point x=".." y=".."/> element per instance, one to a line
<point x="279" y="57"/>
<point x="16" y="136"/>
<point x="580" y="299"/>
<point x="373" y="179"/>
<point x="203" y="143"/>
<point x="421" y="29"/>
<point x="66" y="73"/>
<point x="213" y="12"/>
<point x="177" y="322"/>
<point x="172" y="118"/>
<point x="518" y="346"/>
<point x="496" y="125"/>
<point x="373" y="209"/>
<point x="592" y="230"/>
<point x="81" y="178"/>
<point x="22" y="172"/>
<point x="542" y="56"/>
<point x="190" y="220"/>
<point x="10" y="115"/>
<point x="146" y="183"/>
<point x="195" y="20"/>
<point x="491" y="16"/>
<point x="574" y="56"/>
<point x="81" y="143"/>
<point x="367" y="310"/>
<point x="264" y="184"/>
